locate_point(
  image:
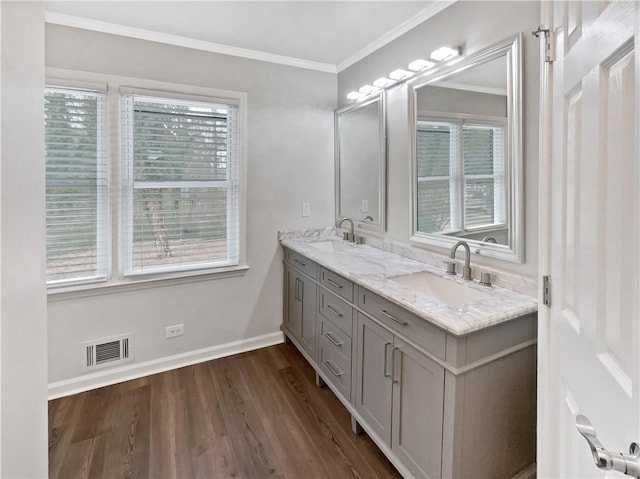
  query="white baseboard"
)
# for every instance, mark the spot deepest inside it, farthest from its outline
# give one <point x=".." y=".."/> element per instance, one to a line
<point x="137" y="370"/>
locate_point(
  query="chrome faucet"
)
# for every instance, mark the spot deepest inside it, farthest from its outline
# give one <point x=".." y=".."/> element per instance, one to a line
<point x="466" y="271"/>
<point x="347" y="236"/>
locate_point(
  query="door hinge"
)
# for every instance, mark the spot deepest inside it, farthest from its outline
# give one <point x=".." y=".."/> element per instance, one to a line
<point x="546" y="290"/>
<point x="549" y="47"/>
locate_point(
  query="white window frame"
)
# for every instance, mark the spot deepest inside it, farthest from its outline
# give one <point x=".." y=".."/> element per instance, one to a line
<point x="457" y="177"/>
<point x="117" y="280"/>
<point x="103" y="230"/>
<point x="129" y="185"/>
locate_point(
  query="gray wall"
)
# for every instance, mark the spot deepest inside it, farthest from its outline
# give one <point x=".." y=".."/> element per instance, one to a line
<point x="23" y="313"/>
<point x="473" y="25"/>
<point x="289" y="161"/>
<point x="450" y="100"/>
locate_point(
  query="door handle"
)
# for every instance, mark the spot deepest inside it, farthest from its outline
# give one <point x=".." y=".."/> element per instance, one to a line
<point x="628" y="464"/>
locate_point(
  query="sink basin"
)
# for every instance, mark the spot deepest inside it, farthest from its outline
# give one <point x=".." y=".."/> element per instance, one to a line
<point x="331" y="246"/>
<point x="444" y="290"/>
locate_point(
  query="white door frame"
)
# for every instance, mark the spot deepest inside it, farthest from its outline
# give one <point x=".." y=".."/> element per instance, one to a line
<point x="544" y="242"/>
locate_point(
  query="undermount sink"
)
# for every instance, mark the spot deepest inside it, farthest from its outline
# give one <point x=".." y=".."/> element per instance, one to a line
<point x="446" y="291"/>
<point x="331" y="246"/>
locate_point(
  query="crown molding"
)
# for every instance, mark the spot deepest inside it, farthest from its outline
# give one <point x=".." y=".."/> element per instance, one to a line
<point x="432" y="10"/>
<point x="176" y="40"/>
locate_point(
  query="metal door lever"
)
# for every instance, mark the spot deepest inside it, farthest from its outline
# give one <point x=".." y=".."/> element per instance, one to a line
<point x="628" y="464"/>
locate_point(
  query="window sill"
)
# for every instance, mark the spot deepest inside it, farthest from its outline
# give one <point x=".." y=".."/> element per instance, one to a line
<point x="124" y="286"/>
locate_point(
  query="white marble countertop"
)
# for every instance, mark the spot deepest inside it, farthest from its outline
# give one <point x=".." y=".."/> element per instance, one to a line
<point x="371" y="267"/>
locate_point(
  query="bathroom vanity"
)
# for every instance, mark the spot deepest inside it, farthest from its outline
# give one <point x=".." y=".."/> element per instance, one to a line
<point x="440" y="372"/>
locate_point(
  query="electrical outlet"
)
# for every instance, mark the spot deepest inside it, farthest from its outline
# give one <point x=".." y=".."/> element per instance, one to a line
<point x="173" y="331"/>
<point x="306" y="209"/>
<point x="365" y="206"/>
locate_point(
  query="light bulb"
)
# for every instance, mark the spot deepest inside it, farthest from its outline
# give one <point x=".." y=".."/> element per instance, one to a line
<point x="368" y="89"/>
<point x="444" y="53"/>
<point x="400" y="74"/>
<point x="383" y="82"/>
<point x="420" y="64"/>
<point x="354" y="95"/>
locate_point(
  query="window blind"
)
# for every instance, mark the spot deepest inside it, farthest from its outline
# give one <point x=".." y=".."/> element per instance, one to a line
<point x="180" y="184"/>
<point x="76" y="185"/>
<point x="435" y="145"/>
<point x="484" y="175"/>
<point x="460" y="175"/>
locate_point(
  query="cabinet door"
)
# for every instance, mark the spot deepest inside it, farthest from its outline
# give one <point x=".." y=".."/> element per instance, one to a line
<point x="294" y="304"/>
<point x="418" y="401"/>
<point x="308" y="297"/>
<point x="373" y="376"/>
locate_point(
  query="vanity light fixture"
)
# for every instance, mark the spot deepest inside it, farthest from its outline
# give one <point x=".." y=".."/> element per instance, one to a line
<point x="440" y="55"/>
<point x="419" y="65"/>
<point x="384" y="82"/>
<point x="444" y="53"/>
<point x="368" y="89"/>
<point x="400" y="74"/>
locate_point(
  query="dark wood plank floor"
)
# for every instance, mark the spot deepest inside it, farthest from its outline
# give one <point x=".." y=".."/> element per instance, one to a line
<point x="254" y="415"/>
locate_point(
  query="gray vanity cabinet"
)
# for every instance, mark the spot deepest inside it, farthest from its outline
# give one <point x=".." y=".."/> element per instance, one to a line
<point x="300" y="317"/>
<point x="416" y="418"/>
<point x="374" y="392"/>
<point x="400" y="395"/>
<point x="439" y="405"/>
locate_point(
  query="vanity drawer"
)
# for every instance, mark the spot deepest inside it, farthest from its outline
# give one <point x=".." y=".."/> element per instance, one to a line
<point x="303" y="264"/>
<point x="334" y="338"/>
<point x="334" y="364"/>
<point x="337" y="310"/>
<point x="404" y="323"/>
<point x="337" y="284"/>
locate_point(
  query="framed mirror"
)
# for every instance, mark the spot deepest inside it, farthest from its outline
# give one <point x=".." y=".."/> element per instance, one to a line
<point x="467" y="170"/>
<point x="360" y="163"/>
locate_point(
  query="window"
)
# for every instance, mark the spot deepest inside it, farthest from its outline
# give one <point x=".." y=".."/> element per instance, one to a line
<point x="141" y="182"/>
<point x="180" y="184"/>
<point x="76" y="185"/>
<point x="461" y="181"/>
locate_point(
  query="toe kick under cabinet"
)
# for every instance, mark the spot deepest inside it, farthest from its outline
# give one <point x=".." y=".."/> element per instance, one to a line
<point x="437" y="404"/>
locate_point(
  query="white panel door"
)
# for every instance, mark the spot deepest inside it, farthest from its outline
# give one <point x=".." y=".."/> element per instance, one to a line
<point x="589" y="337"/>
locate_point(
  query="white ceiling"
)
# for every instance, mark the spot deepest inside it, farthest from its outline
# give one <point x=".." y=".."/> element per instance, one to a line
<point x="322" y="35"/>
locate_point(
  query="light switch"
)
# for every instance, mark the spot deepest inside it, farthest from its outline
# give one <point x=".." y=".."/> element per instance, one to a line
<point x="365" y="206"/>
<point x="306" y="209"/>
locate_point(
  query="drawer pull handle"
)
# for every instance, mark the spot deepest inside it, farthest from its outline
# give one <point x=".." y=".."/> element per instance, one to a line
<point x="334" y="284"/>
<point x="300" y="262"/>
<point x="332" y="338"/>
<point x="334" y="310"/>
<point x="393" y="318"/>
<point x="334" y="369"/>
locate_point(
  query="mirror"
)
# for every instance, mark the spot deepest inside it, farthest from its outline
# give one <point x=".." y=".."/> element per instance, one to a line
<point x="361" y="163"/>
<point x="467" y="153"/>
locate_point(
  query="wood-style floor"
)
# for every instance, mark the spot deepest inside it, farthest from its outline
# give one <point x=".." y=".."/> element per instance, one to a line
<point x="254" y="415"/>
